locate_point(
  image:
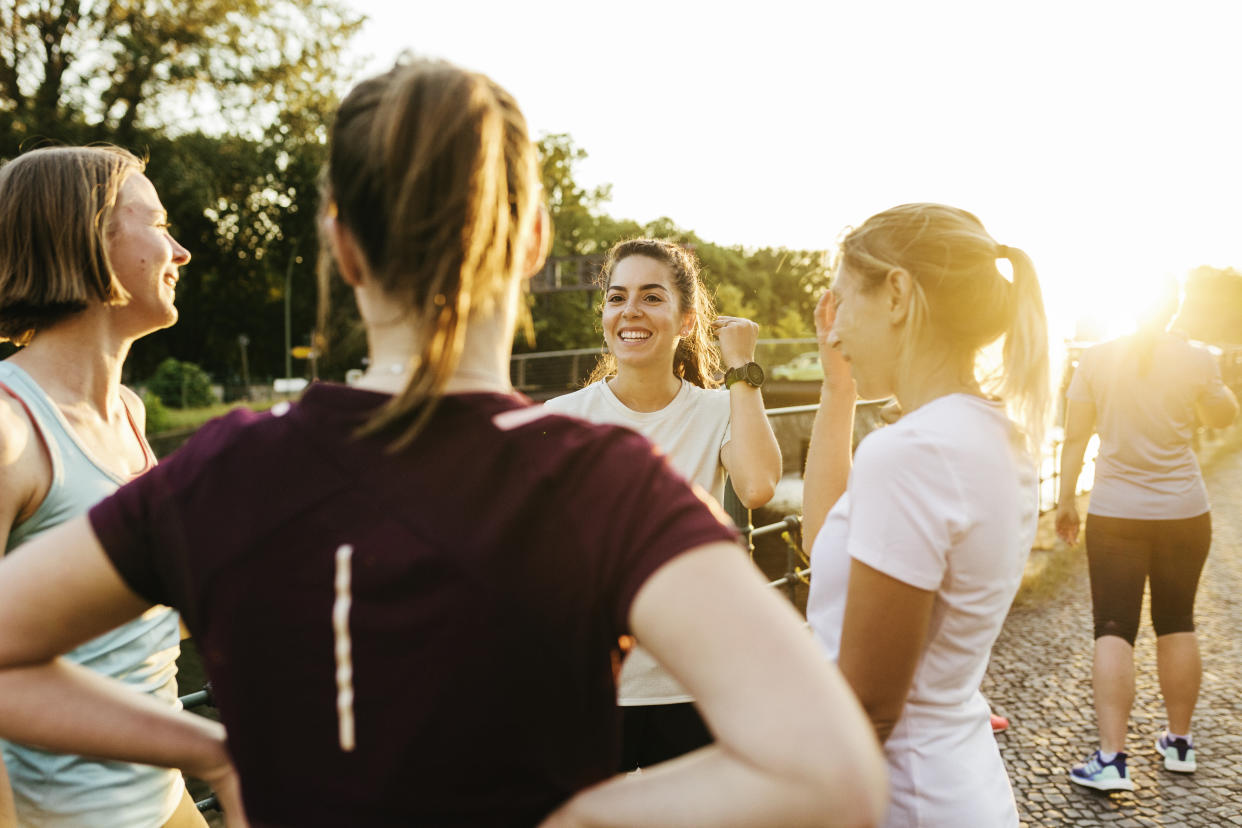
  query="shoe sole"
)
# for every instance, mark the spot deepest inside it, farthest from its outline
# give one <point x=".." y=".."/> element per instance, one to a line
<point x="1104" y="784"/>
<point x="1175" y="765"/>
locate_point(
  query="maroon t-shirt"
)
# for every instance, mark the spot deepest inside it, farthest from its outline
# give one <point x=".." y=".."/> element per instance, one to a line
<point x="493" y="566"/>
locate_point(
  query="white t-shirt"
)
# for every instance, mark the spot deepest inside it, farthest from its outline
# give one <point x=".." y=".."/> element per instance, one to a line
<point x="691" y="430"/>
<point x="944" y="500"/>
<point x="1146" y="469"/>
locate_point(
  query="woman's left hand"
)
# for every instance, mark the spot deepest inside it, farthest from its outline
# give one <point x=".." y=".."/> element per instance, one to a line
<point x="737" y="340"/>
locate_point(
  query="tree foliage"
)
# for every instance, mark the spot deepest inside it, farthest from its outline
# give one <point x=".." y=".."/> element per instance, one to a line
<point x="181" y="385"/>
<point x="775" y="287"/>
<point x="229" y="100"/>
<point x="1212" y="307"/>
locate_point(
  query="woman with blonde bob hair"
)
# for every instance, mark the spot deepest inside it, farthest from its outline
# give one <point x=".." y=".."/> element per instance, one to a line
<point x="424" y="557"/>
<point x="917" y="549"/>
<point x="87" y="266"/>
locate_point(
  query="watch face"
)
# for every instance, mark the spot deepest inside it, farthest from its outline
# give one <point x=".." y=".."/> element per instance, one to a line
<point x="753" y="374"/>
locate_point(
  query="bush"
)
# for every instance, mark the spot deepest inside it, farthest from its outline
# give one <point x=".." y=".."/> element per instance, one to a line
<point x="157" y="414"/>
<point x="181" y="385"/>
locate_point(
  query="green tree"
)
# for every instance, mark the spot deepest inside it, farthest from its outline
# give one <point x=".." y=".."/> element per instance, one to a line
<point x="181" y="385"/>
<point x="229" y="100"/>
<point x="1212" y="306"/>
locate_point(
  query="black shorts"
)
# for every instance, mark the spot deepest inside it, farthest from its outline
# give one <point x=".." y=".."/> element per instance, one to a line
<point x="1123" y="554"/>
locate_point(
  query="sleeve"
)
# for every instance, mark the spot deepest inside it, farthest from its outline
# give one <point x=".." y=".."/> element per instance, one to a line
<point x="127" y="523"/>
<point x="1080" y="384"/>
<point x="141" y="526"/>
<point x="906" y="508"/>
<point x="727" y="433"/>
<point x="652" y="516"/>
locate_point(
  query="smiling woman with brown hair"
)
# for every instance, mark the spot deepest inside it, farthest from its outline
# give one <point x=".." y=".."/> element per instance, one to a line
<point x="660" y="377"/>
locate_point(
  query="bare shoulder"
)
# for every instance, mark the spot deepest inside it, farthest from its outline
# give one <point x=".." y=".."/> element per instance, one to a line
<point x="25" y="469"/>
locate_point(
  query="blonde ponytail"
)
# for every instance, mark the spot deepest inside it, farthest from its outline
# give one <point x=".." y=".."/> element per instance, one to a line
<point x="1025" y="384"/>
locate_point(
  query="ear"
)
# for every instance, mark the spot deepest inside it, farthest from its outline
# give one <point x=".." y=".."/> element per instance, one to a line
<point x="539" y="244"/>
<point x="350" y="262"/>
<point x="687" y="323"/>
<point x="899" y="290"/>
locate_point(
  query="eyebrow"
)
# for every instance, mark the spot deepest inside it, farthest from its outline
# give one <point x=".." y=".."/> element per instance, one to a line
<point x="653" y="286"/>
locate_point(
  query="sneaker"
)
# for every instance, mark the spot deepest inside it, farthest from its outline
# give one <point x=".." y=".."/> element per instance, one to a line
<point x="1179" y="754"/>
<point x="999" y="724"/>
<point x="1103" y="776"/>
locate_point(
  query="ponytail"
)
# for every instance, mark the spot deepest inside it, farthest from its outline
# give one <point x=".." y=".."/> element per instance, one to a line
<point x="1026" y="381"/>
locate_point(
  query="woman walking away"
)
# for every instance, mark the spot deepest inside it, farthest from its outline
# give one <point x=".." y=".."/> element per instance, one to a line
<point x="87" y="266"/>
<point x="659" y="378"/>
<point x="919" y="548"/>
<point x="1148" y="520"/>
<point x="441" y="570"/>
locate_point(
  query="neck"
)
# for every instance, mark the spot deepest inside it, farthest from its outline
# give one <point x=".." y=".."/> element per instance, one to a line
<point x="483" y="366"/>
<point x="645" y="390"/>
<point x="934" y="375"/>
<point x="78" y="361"/>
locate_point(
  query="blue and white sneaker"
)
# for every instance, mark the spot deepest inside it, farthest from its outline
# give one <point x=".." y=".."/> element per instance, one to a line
<point x="1179" y="754"/>
<point x="1101" y="775"/>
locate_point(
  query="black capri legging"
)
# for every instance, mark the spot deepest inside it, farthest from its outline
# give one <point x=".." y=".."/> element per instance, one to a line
<point x="1123" y="553"/>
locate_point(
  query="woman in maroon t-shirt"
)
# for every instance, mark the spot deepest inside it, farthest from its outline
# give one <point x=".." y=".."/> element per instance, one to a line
<point x="432" y="214"/>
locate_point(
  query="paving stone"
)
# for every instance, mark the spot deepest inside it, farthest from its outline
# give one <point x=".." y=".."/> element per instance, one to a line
<point x="1040" y="677"/>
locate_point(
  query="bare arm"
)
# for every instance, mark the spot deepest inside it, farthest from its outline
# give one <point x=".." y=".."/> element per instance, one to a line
<point x="708" y="617"/>
<point x="886" y="622"/>
<point x="56" y="592"/>
<point x="752" y="457"/>
<point x="21" y="467"/>
<point x="828" y="459"/>
<point x="1079" y="426"/>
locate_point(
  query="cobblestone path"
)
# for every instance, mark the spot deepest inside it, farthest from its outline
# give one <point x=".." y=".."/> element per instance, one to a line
<point x="1040" y="676"/>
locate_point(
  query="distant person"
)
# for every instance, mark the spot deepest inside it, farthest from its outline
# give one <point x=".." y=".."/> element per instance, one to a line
<point x="917" y="549"/>
<point x="409" y="592"/>
<point x="659" y="378"/>
<point x="87" y="266"/>
<point x="1148" y="520"/>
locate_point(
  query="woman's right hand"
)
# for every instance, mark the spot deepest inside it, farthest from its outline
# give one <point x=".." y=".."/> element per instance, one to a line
<point x="837" y="374"/>
<point x="1067" y="521"/>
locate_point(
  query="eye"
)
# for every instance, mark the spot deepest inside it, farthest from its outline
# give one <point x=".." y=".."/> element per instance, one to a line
<point x="653" y="298"/>
<point x="615" y="298"/>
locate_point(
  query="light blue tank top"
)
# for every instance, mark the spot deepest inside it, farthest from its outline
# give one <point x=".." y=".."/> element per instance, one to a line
<point x="53" y="789"/>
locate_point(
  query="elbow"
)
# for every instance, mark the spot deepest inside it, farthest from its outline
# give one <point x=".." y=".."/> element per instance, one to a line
<point x="756" y="493"/>
<point x="853" y="791"/>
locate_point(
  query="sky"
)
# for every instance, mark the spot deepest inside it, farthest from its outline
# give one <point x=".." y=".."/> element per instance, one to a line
<point x="1101" y="137"/>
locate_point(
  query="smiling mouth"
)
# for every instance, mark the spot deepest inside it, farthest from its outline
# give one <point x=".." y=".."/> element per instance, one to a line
<point x="633" y="336"/>
<point x="171" y="280"/>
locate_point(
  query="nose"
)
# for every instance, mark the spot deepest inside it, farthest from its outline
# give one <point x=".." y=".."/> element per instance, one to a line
<point x="180" y="255"/>
<point x="632" y="307"/>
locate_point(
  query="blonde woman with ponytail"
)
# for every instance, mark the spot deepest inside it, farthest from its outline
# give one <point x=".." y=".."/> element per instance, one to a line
<point x="440" y="570"/>
<point x="917" y="549"/>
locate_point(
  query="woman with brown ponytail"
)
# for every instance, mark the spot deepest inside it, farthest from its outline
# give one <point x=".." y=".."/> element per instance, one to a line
<point x="1148" y="520"/>
<point x="917" y="549"/>
<point x="660" y="378"/>
<point x="409" y="593"/>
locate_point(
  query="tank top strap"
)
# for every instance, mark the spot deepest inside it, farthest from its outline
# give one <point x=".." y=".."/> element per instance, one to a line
<point x="17" y="384"/>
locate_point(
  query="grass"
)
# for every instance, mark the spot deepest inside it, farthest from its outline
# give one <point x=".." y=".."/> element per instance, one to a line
<point x="184" y="418"/>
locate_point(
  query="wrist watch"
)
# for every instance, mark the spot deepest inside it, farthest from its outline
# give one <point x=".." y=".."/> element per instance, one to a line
<point x="751" y="373"/>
